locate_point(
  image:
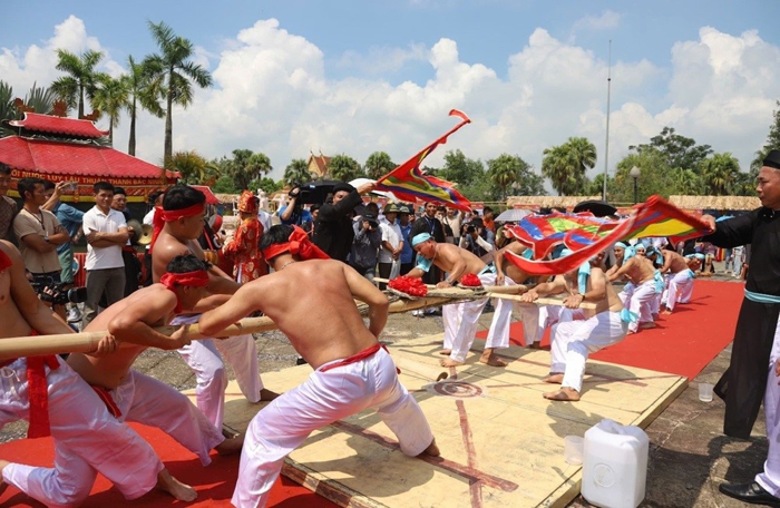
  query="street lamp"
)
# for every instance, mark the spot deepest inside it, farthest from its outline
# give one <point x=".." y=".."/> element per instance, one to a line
<point x="634" y="173"/>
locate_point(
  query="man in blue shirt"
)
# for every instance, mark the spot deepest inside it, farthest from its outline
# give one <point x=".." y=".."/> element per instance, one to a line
<point x="70" y="218"/>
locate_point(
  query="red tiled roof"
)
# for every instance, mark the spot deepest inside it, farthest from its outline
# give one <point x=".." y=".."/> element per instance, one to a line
<point x="58" y="125"/>
<point x="72" y="159"/>
<point x="211" y="199"/>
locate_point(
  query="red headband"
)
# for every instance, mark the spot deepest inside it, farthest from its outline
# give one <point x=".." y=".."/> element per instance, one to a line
<point x="161" y="216"/>
<point x="197" y="279"/>
<point x="298" y="244"/>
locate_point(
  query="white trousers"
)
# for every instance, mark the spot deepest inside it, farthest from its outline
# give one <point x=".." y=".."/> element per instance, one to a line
<point x="640" y="303"/>
<point x="205" y="358"/>
<point x="323" y="398"/>
<point x="146" y="400"/>
<point x="572" y="341"/>
<point x="769" y="479"/>
<point x="498" y="334"/>
<point x="680" y="289"/>
<point x="87" y="439"/>
<point x="460" y="322"/>
<point x="537" y="318"/>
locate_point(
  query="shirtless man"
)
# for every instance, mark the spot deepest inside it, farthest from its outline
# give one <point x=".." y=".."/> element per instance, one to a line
<point x="572" y="340"/>
<point x="177" y="227"/>
<point x="133" y="396"/>
<point x="508" y="274"/>
<point x="680" y="282"/>
<point x="641" y="273"/>
<point x="312" y="303"/>
<point x="460" y="319"/>
<point x="87" y="438"/>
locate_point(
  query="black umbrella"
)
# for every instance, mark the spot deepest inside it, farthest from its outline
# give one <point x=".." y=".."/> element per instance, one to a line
<point x="596" y="207"/>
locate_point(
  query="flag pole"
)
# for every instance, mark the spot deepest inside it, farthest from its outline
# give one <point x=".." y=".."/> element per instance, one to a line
<point x="606" y="147"/>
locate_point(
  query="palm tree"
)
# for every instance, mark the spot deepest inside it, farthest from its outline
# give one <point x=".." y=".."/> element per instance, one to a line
<point x="41" y="100"/>
<point x="720" y="173"/>
<point x="247" y="166"/>
<point x="560" y="169"/>
<point x="111" y="97"/>
<point x="344" y="168"/>
<point x="378" y="165"/>
<point x="192" y="167"/>
<point x="139" y="91"/>
<point x="504" y="171"/>
<point x="297" y="171"/>
<point x="583" y="152"/>
<point x="82" y="79"/>
<point x="170" y="73"/>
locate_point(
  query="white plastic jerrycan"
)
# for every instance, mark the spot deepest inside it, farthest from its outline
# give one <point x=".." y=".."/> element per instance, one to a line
<point x="614" y="466"/>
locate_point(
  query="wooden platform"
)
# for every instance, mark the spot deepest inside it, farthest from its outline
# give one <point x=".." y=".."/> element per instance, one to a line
<point x="501" y="441"/>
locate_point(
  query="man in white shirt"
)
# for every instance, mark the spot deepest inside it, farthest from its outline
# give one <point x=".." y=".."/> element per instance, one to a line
<point x="106" y="232"/>
<point x="392" y="244"/>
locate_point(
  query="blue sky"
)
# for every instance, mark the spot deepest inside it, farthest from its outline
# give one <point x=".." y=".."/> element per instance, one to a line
<point x="354" y="77"/>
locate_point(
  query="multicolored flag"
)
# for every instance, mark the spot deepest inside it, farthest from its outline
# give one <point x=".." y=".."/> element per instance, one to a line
<point x="409" y="183"/>
<point x="586" y="235"/>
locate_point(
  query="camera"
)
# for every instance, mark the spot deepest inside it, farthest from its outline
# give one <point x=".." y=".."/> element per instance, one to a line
<point x="471" y="228"/>
<point x="56" y="294"/>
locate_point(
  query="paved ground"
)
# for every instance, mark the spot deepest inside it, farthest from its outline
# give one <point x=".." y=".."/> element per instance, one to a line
<point x="689" y="455"/>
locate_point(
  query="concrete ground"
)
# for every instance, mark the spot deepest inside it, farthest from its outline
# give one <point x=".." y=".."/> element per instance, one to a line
<point x="689" y="455"/>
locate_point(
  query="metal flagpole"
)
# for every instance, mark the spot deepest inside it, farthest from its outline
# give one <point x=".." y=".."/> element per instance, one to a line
<point x="606" y="147"/>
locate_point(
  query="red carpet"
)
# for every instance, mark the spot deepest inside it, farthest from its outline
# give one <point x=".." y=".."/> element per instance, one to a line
<point x="214" y="483"/>
<point x="684" y="342"/>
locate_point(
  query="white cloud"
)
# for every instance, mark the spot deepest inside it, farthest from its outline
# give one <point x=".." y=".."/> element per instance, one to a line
<point x="608" y="19"/>
<point x="273" y="94"/>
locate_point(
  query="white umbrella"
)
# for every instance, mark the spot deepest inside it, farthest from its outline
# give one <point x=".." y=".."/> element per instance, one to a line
<point x="512" y="215"/>
<point x="357" y="182"/>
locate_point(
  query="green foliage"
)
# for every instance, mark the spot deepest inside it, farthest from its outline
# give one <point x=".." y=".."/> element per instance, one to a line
<point x="297" y="171"/>
<point x="461" y="170"/>
<point x="247" y="166"/>
<point x="268" y="185"/>
<point x="194" y="169"/>
<point x="720" y="174"/>
<point x="678" y="151"/>
<point x="225" y="185"/>
<point x="565" y="165"/>
<point x="655" y="178"/>
<point x="378" y="165"/>
<point x="169" y="73"/>
<point x="81" y="81"/>
<point x="140" y="92"/>
<point x="111" y="97"/>
<point x="344" y="168"/>
<point x="511" y="174"/>
<point x="772" y="143"/>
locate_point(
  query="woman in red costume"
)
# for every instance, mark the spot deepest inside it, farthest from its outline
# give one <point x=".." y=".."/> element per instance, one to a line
<point x="244" y="248"/>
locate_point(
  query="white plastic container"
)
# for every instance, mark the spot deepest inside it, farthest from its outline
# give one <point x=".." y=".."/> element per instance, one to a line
<point x="614" y="467"/>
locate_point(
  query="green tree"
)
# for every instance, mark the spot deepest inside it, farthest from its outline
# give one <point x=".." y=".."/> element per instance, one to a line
<point x="111" y="97"/>
<point x="170" y="72"/>
<point x="82" y="79"/>
<point x="268" y="185"/>
<point x="460" y="169"/>
<point x="344" y="168"/>
<point x="297" y="171"/>
<point x="687" y="182"/>
<point x="193" y="168"/>
<point x="720" y="174"/>
<point x="225" y="185"/>
<point x="566" y="165"/>
<point x="140" y="93"/>
<point x="679" y="151"/>
<point x="378" y="165"/>
<point x="655" y="177"/>
<point x="246" y="166"/>
<point x="507" y="172"/>
<point x="772" y="143"/>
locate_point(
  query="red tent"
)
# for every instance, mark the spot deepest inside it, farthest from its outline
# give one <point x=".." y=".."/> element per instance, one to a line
<point x="68" y="149"/>
<point x="211" y="199"/>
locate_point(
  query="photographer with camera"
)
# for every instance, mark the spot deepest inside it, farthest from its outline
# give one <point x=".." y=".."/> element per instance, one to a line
<point x="365" y="245"/>
<point x="293" y="213"/>
<point x="39" y="233"/>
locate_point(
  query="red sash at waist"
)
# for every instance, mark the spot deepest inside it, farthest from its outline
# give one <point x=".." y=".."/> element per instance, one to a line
<point x="366" y="353"/>
<point x="108" y="400"/>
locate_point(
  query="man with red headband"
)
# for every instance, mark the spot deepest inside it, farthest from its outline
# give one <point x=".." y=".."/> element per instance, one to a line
<point x="45" y="391"/>
<point x="177" y="227"/>
<point x="130" y="395"/>
<point x="352" y="371"/>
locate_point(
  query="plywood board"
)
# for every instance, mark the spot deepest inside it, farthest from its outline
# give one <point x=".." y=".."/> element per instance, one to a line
<point x="501" y="441"/>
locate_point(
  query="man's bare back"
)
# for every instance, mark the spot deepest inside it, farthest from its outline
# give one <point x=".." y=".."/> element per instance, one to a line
<point x="673" y="262"/>
<point x="638" y="269"/>
<point x="506" y="267"/>
<point x="167" y="247"/>
<point x="312" y="302"/>
<point x="448" y="255"/>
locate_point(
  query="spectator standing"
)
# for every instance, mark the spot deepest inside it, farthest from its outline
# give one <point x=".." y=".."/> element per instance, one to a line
<point x="293" y="213"/>
<point x="333" y="231"/>
<point x="392" y="245"/>
<point x="453" y="218"/>
<point x="428" y="223"/>
<point x="71" y="218"/>
<point x="244" y="248"/>
<point x="488" y="219"/>
<point x="7" y="205"/>
<point x="129" y="254"/>
<point x="155" y="201"/>
<point x="365" y="245"/>
<point x="39" y="233"/>
<point x="407" y="253"/>
<point x="106" y="233"/>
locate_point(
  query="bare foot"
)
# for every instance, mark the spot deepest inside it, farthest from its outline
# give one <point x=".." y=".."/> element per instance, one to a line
<point x="666" y="313"/>
<point x="266" y="395"/>
<point x="535" y="345"/>
<point x="554" y="378"/>
<point x="492" y="359"/>
<point x="230" y="446"/>
<point x="449" y="362"/>
<point x="564" y="394"/>
<point x="432" y="449"/>
<point x="648" y="324"/>
<point x="445" y="352"/>
<point x="167" y="483"/>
